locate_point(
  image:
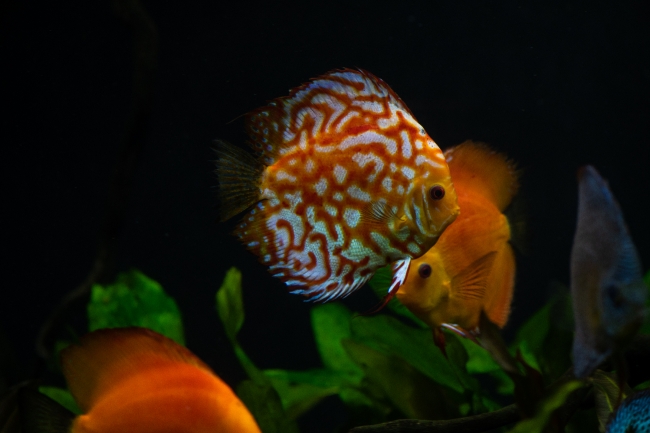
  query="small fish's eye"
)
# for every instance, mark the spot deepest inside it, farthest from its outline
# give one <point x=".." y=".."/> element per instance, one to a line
<point x="437" y="192"/>
<point x="424" y="270"/>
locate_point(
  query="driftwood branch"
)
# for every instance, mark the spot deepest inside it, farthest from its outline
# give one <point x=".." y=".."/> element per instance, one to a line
<point x="132" y="14"/>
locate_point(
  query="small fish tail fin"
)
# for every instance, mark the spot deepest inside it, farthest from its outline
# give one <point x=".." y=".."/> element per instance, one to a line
<point x="104" y="357"/>
<point x="498" y="309"/>
<point x="239" y="174"/>
<point x="41" y="414"/>
<point x="476" y="167"/>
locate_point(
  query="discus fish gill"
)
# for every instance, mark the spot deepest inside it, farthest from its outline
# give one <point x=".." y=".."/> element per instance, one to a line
<point x="345" y="181"/>
<point x="133" y="380"/>
<point x="472" y="267"/>
<point x="607" y="285"/>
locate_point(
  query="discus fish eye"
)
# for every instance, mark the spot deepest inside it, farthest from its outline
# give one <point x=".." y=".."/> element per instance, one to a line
<point x="437" y="192"/>
<point x="424" y="270"/>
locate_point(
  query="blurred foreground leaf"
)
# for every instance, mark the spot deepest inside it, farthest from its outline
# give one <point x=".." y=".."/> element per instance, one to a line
<point x="135" y="300"/>
<point x="229" y="303"/>
<point x="546" y="407"/>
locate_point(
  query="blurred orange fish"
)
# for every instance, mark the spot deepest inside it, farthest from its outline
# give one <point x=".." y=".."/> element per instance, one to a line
<point x="345" y="181"/>
<point x="472" y="267"/>
<point x="133" y="380"/>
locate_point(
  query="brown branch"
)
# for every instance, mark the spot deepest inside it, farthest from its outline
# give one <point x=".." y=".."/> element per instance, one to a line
<point x="132" y="14"/>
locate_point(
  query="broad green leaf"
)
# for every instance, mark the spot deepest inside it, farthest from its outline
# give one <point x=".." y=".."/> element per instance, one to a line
<point x="606" y="395"/>
<point x="61" y="396"/>
<point x="379" y="283"/>
<point x="331" y="324"/>
<point x="389" y="336"/>
<point x="230" y="305"/>
<point x="531" y="336"/>
<point x="300" y="391"/>
<point x="134" y="300"/>
<point x="480" y="362"/>
<point x="546" y="408"/>
<point x="410" y="391"/>
<point x="264" y="403"/>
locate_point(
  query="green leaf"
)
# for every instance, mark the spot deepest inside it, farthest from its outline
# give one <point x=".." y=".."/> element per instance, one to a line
<point x="389" y="336"/>
<point x="546" y="408"/>
<point x="299" y="391"/>
<point x="134" y="300"/>
<point x="606" y="395"/>
<point x="61" y="396"/>
<point x="265" y="405"/>
<point x="230" y="305"/>
<point x="390" y="377"/>
<point x="379" y="283"/>
<point x="331" y="324"/>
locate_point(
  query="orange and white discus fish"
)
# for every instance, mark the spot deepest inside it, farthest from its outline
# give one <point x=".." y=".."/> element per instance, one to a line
<point x="344" y="181"/>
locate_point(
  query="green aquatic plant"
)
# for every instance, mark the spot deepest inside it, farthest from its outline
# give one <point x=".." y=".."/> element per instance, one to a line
<point x="383" y="367"/>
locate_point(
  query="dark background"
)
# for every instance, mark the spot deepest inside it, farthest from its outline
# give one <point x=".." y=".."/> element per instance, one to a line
<point x="554" y="87"/>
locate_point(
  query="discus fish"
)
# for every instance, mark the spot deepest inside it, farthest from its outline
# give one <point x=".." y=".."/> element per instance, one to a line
<point x="472" y="267"/>
<point x="607" y="285"/>
<point x="345" y="180"/>
<point x="135" y="380"/>
<point x="633" y="415"/>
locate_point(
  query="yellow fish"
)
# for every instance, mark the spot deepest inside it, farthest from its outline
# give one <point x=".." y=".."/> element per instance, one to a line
<point x="472" y="267"/>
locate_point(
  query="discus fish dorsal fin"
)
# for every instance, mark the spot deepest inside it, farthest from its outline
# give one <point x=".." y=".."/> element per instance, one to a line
<point x="470" y="284"/>
<point x="272" y="129"/>
<point x="476" y="167"/>
<point x="105" y="357"/>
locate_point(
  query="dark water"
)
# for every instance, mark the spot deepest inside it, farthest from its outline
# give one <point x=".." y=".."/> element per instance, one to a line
<point x="554" y="87"/>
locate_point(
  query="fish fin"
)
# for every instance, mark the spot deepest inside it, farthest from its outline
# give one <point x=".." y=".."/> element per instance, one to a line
<point x="41" y="414"/>
<point x="273" y="129"/>
<point x="498" y="309"/>
<point x="106" y="356"/>
<point x="470" y="284"/>
<point x="378" y="212"/>
<point x="400" y="270"/>
<point x="470" y="335"/>
<point x="439" y="340"/>
<point x="473" y="166"/>
<point x="239" y="174"/>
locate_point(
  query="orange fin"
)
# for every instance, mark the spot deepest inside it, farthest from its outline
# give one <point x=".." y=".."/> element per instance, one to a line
<point x="475" y="167"/>
<point x="471" y="283"/>
<point x="239" y="174"/>
<point x="107" y="356"/>
<point x="499" y="309"/>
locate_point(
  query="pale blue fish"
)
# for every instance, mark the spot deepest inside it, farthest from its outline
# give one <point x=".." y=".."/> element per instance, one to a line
<point x="606" y="281"/>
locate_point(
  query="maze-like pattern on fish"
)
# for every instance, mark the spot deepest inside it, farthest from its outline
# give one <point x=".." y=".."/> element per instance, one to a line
<point x="348" y="141"/>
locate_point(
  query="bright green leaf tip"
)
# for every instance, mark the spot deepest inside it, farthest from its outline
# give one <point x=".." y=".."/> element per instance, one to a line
<point x="229" y="303"/>
<point x="135" y="300"/>
<point x="61" y="396"/>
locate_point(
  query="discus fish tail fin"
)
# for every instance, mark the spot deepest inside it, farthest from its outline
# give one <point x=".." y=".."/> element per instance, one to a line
<point x="239" y="174"/>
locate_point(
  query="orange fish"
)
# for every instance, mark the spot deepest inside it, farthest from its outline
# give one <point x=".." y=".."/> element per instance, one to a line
<point x="472" y="267"/>
<point x="135" y="380"/>
<point x="344" y="181"/>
